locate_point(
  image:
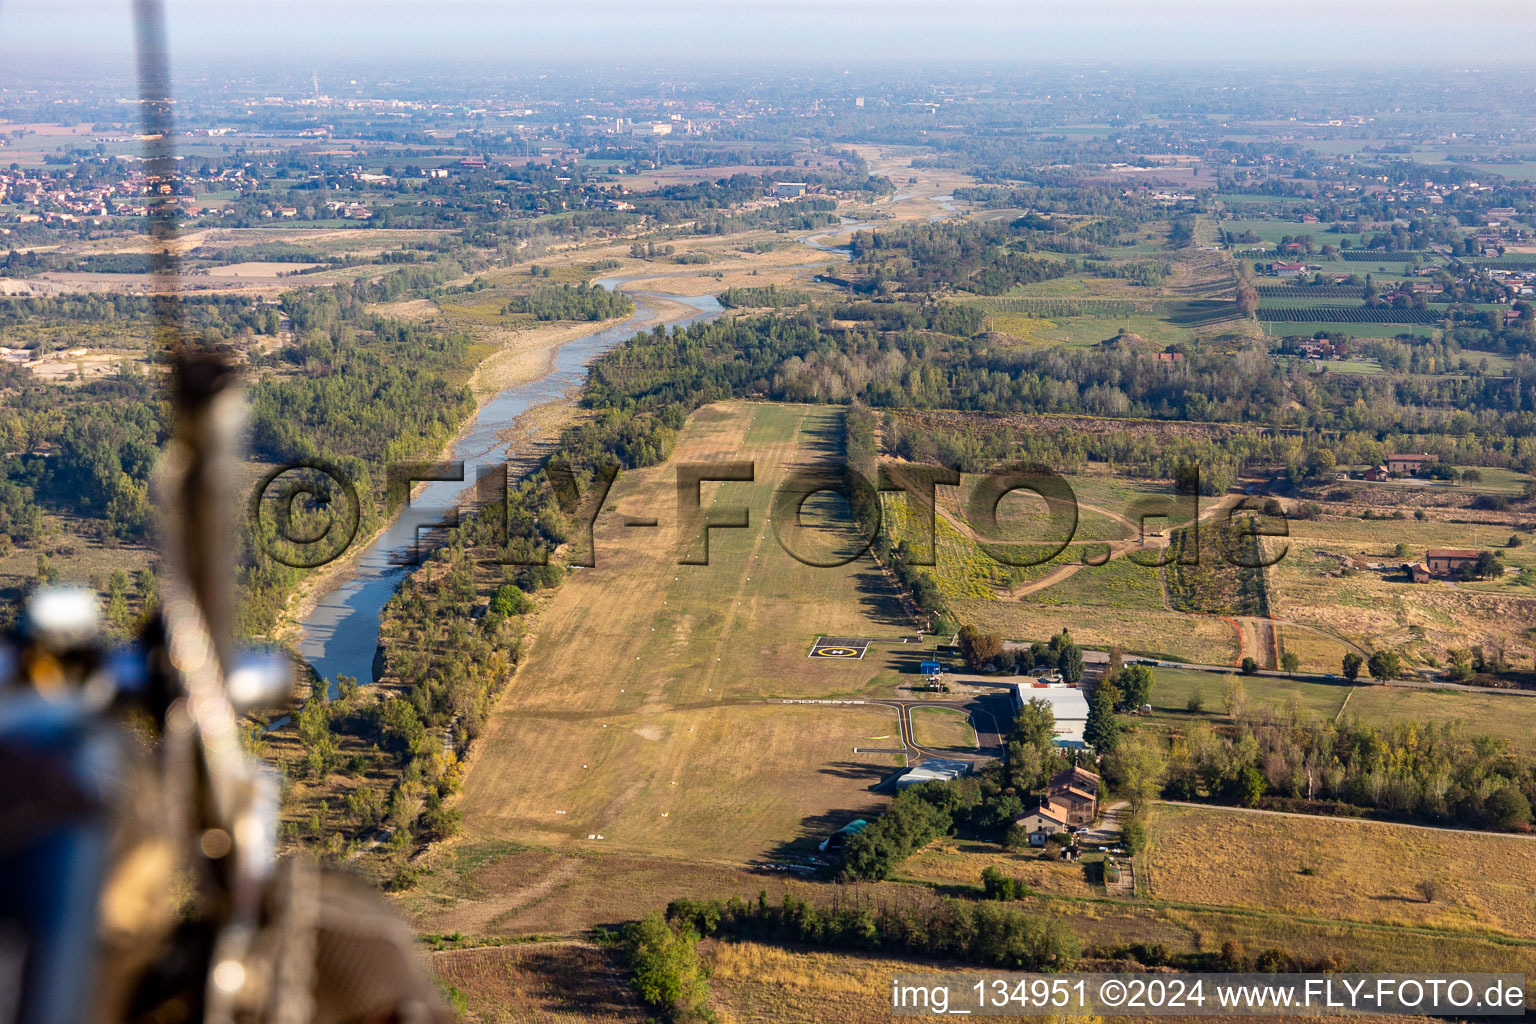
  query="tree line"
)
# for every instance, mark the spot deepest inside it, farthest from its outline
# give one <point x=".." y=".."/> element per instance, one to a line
<point x="572" y="302"/>
<point x="1415" y="771"/>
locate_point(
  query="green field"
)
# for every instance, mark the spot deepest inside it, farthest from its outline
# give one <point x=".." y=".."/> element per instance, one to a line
<point x="1175" y="688"/>
<point x="1272" y="231"/>
<point x="1091" y="330"/>
<point x="1362" y="366"/>
<point x="1288" y="329"/>
<point x="943" y="729"/>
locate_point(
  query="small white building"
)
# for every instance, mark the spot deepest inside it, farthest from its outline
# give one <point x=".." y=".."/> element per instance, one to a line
<point x="934" y="769"/>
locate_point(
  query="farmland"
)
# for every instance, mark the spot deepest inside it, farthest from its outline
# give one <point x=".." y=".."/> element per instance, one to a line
<point x="678" y="751"/>
<point x="1335" y="871"/>
<point x="1379" y="608"/>
<point x="1348" y="315"/>
<point x="548" y="749"/>
<point x="1504" y="717"/>
<point x="1359" y="330"/>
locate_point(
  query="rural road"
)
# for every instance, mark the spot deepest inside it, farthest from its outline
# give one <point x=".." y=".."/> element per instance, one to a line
<point x="1108" y="830"/>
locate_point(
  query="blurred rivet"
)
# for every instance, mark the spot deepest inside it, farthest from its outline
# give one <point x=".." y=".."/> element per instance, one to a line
<point x="229" y="976"/>
<point x="216" y="843"/>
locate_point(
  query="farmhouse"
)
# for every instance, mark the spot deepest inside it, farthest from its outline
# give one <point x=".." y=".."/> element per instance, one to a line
<point x="1444" y="561"/>
<point x="1377" y="473"/>
<point x="1076" y="790"/>
<point x="1282" y="269"/>
<point x="1042" y="823"/>
<point x="1410" y="464"/>
<point x="1318" y="348"/>
<point x="1417" y="572"/>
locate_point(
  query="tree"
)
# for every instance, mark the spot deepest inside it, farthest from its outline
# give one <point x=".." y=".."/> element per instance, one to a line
<point x="1385" y="666"/>
<point x="1249" y="666"/>
<point x="1486" y="567"/>
<point x="1247" y="297"/>
<point x="979" y="649"/>
<point x="1035" y="724"/>
<point x="1508" y="809"/>
<point x="1134" y="836"/>
<point x="1135" y="685"/>
<point x="1320" y="462"/>
<point x="1140" y="765"/>
<point x="1234" y="697"/>
<point x="1032" y="745"/>
<point x="1290" y="662"/>
<point x="1461" y="664"/>
<point x="1428" y="889"/>
<point x="1071" y="663"/>
<point x="320" y="751"/>
<point x="999" y="886"/>
<point x="1352" y="663"/>
<point x="1250" y="786"/>
<point x="1102" y="730"/>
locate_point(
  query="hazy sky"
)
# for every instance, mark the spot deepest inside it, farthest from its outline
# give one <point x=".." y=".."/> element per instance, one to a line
<point x="1463" y="32"/>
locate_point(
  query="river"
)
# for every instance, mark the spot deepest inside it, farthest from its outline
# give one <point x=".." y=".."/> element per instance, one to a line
<point x="340" y="634"/>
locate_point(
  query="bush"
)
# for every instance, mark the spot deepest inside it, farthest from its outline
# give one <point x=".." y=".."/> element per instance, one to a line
<point x="999" y="886"/>
<point x="1508" y="809"/>
<point x="665" y="969"/>
<point x="1134" y="836"/>
<point x="510" y="600"/>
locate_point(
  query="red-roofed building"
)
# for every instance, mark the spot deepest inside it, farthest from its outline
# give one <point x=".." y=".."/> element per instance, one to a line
<point x="1076" y="791"/>
<point x="1410" y="464"/>
<point x="1444" y="561"/>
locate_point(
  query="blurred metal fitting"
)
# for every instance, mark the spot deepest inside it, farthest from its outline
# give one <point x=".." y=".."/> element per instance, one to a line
<point x="260" y="679"/>
<point x="60" y="619"/>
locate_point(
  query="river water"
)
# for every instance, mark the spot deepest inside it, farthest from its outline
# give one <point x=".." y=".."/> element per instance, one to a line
<point x="340" y="635"/>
